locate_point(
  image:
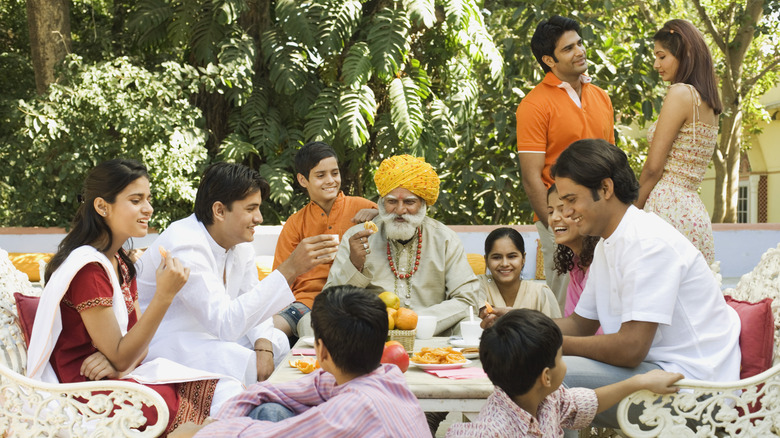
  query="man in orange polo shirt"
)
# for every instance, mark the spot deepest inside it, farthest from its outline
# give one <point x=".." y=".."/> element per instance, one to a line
<point x="329" y="212"/>
<point x="563" y="108"/>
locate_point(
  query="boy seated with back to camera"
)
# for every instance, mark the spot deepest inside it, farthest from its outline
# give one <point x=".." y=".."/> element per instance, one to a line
<point x="352" y="395"/>
<point x="523" y="357"/>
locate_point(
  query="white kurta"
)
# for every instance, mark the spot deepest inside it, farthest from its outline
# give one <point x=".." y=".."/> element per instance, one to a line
<point x="211" y="324"/>
<point x="444" y="285"/>
<point x="647" y="271"/>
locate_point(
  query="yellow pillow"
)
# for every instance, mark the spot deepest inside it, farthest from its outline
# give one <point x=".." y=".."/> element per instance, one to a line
<point x="477" y="263"/>
<point x="27" y="262"/>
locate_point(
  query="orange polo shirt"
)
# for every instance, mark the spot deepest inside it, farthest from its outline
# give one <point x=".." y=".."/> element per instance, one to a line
<point x="549" y="120"/>
<point x="309" y="221"/>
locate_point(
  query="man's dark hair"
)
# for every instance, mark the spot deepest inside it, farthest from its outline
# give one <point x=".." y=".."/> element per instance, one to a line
<point x="588" y="162"/>
<point x="226" y="183"/>
<point x="310" y="155"/>
<point x="352" y="324"/>
<point x="519" y="346"/>
<point x="546" y="36"/>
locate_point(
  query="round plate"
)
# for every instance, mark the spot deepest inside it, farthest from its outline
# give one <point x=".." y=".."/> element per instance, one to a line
<point x="440" y="366"/>
<point x="307" y="341"/>
<point x="468" y="355"/>
<point x="462" y="344"/>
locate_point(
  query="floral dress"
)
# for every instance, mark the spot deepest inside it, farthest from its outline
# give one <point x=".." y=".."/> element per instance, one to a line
<point x="675" y="196"/>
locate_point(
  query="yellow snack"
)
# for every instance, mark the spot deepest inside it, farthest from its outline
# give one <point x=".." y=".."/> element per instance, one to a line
<point x="370" y="225"/>
<point x="444" y="355"/>
<point x="488" y="307"/>
<point x="163" y="252"/>
<point x="305" y="365"/>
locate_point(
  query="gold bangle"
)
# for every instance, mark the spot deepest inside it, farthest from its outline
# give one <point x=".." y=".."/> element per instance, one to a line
<point x="265" y="350"/>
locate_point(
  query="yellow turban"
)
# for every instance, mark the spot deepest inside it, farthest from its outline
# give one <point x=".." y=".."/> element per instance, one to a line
<point x="410" y="173"/>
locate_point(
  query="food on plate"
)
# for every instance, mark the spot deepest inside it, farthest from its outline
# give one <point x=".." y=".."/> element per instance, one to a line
<point x="405" y="319"/>
<point x="488" y="307"/>
<point x="390" y="299"/>
<point x="370" y="225"/>
<point x="470" y="350"/>
<point x="305" y="364"/>
<point x="395" y="353"/>
<point x="444" y="355"/>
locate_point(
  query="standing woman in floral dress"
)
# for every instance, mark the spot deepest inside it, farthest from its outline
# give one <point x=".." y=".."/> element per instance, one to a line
<point x="684" y="137"/>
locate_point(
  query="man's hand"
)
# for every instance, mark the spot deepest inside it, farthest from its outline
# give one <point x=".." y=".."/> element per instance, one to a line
<point x="488" y="319"/>
<point x="96" y="367"/>
<point x="265" y="359"/>
<point x="310" y="252"/>
<point x="364" y="215"/>
<point x="359" y="249"/>
<point x="189" y="429"/>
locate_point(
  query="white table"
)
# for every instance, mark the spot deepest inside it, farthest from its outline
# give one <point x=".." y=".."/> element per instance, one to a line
<point x="434" y="393"/>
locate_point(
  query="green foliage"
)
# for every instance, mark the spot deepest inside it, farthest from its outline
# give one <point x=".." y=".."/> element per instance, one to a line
<point x="98" y="112"/>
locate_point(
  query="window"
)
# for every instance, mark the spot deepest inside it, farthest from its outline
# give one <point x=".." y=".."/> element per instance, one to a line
<point x="743" y="202"/>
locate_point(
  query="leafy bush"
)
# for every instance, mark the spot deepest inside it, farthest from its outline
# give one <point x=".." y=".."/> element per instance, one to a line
<point x="98" y="112"/>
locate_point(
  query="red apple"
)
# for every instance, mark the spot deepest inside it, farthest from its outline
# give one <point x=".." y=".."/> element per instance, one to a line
<point x="396" y="354"/>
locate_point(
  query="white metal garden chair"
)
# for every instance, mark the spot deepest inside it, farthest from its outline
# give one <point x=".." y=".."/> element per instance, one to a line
<point x="107" y="408"/>
<point x="745" y="408"/>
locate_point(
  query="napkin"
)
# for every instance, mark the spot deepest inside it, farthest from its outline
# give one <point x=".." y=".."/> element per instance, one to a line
<point x="459" y="373"/>
<point x="303" y="352"/>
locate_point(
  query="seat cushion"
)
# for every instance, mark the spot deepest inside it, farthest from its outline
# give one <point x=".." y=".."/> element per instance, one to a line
<point x="26" y="307"/>
<point x="758" y="335"/>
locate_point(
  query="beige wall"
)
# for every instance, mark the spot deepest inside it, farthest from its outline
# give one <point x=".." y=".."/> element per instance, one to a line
<point x="764" y="156"/>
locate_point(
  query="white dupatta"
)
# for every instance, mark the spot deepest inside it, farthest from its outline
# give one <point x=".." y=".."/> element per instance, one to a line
<point x="48" y="325"/>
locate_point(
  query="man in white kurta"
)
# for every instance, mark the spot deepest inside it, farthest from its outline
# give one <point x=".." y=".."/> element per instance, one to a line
<point x="648" y="287"/>
<point x="220" y="320"/>
<point x="435" y="281"/>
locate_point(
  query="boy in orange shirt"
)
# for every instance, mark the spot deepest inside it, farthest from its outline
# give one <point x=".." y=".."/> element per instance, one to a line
<point x="329" y="212"/>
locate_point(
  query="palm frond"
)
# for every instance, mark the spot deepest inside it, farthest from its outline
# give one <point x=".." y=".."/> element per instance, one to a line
<point x="405" y="109"/>
<point x="356" y="107"/>
<point x="322" y="119"/>
<point x="337" y="22"/>
<point x="356" y="70"/>
<point x="387" y="39"/>
<point x="149" y="22"/>
<point x="286" y="61"/>
<point x="280" y="181"/>
<point x="422" y="12"/>
<point x="294" y="19"/>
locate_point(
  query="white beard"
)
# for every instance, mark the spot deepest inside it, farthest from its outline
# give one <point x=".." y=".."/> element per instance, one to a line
<point x="401" y="230"/>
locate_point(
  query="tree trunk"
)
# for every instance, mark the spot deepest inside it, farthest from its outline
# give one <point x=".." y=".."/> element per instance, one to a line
<point x="49" y="25"/>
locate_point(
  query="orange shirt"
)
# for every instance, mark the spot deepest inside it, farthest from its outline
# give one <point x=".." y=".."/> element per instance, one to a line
<point x="309" y="221"/>
<point x="548" y="120"/>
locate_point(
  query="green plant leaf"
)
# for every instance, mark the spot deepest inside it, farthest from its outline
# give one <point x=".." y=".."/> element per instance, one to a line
<point x="387" y="39"/>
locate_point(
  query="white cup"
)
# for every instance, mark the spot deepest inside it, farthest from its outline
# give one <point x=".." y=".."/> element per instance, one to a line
<point x="471" y="331"/>
<point x="426" y="326"/>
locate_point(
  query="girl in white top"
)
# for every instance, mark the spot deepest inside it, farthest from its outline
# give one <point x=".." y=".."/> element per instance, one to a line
<point x="504" y="285"/>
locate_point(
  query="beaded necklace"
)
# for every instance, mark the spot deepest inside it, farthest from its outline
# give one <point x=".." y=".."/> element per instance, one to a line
<point x="411" y="268"/>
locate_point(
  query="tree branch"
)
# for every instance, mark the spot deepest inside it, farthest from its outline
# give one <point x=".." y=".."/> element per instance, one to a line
<point x="750" y="82"/>
<point x="711" y="29"/>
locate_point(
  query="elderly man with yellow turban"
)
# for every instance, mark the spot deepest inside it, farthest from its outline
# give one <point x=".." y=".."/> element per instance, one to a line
<point x="418" y="258"/>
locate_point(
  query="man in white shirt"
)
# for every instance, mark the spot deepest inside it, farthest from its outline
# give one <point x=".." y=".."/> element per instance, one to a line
<point x="648" y="287"/>
<point x="220" y="321"/>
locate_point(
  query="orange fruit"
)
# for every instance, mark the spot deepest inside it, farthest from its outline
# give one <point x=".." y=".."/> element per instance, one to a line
<point x="305" y="365"/>
<point x="405" y="319"/>
<point x="389" y="343"/>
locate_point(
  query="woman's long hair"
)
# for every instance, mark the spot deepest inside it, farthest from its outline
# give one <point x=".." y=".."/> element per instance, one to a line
<point x="105" y="181"/>
<point x="564" y="256"/>
<point x="686" y="43"/>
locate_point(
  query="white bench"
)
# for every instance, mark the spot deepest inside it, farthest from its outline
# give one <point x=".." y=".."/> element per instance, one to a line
<point x="745" y="408"/>
<point x="32" y="408"/>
